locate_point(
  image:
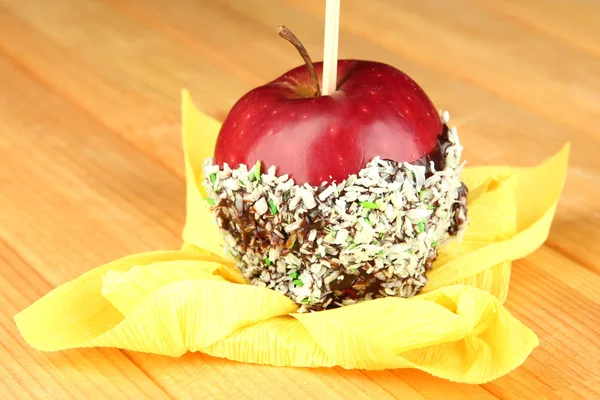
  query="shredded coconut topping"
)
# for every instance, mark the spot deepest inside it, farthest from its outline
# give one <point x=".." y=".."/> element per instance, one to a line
<point x="372" y="235"/>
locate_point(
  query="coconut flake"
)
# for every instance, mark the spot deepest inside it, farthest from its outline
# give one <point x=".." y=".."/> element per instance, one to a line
<point x="261" y="206"/>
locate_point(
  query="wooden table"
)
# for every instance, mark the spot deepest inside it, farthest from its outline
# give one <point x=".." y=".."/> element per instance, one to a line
<point x="90" y="142"/>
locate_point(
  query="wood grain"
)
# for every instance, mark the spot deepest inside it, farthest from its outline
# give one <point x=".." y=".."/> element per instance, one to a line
<point x="89" y="137"/>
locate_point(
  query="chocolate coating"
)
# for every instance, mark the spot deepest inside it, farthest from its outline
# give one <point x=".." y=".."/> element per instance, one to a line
<point x="437" y="155"/>
<point x="255" y="232"/>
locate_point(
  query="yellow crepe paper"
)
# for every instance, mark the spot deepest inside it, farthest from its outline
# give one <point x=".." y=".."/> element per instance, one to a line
<point x="194" y="299"/>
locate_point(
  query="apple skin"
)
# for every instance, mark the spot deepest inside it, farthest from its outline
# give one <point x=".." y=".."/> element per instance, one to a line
<point x="377" y="110"/>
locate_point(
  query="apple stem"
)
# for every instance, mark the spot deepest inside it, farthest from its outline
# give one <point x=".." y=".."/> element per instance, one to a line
<point x="285" y="33"/>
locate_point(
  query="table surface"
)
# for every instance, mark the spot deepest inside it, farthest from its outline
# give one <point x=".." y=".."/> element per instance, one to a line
<point x="90" y="142"/>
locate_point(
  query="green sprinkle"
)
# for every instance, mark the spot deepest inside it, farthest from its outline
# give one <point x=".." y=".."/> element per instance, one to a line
<point x="410" y="252"/>
<point x="273" y="207"/>
<point x="304" y="301"/>
<point x="422" y="194"/>
<point x="241" y="183"/>
<point x="298" y="282"/>
<point x="352" y="246"/>
<point x="380" y="252"/>
<point x="267" y="261"/>
<point x="255" y="173"/>
<point x="213" y="177"/>
<point x="367" y="221"/>
<point x="210" y="201"/>
<point x="294" y="275"/>
<point x="434" y="244"/>
<point x="381" y="235"/>
<point x="368" y="204"/>
<point x="421" y="226"/>
<point x="431" y="207"/>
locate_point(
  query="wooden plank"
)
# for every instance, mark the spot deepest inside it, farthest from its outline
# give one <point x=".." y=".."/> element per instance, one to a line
<point x="575" y="24"/>
<point x="89" y="99"/>
<point x="66" y="149"/>
<point x="143" y="59"/>
<point x="27" y="373"/>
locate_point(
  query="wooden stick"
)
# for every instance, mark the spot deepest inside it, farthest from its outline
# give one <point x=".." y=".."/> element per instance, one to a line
<point x="330" y="53"/>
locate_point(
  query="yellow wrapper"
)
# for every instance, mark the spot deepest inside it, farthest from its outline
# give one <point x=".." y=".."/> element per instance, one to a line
<point x="172" y="302"/>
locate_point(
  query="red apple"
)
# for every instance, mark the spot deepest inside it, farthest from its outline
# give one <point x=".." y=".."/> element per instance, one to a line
<point x="377" y="110"/>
